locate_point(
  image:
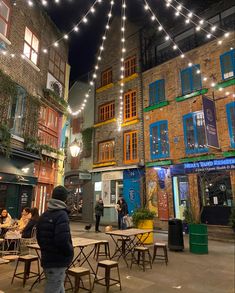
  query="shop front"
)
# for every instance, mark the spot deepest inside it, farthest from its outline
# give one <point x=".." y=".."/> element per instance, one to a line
<point x="210" y="184"/>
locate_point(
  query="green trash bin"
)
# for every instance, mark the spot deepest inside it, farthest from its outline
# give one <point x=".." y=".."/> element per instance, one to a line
<point x="198" y="238"/>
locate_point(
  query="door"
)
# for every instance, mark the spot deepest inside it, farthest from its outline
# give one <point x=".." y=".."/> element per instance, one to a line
<point x="181" y="195"/>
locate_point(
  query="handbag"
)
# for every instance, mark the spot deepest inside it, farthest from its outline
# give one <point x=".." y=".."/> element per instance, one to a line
<point x="128" y="221"/>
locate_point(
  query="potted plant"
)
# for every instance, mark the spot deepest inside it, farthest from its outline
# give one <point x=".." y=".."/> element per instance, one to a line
<point x="198" y="234"/>
<point x="232" y="218"/>
<point x="143" y="219"/>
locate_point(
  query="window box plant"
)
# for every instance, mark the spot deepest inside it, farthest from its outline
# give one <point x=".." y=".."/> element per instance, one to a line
<point x="143" y="219"/>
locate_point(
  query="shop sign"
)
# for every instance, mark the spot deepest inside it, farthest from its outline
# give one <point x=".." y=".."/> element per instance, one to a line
<point x="112" y="175"/>
<point x="210" y="122"/>
<point x="84" y="176"/>
<point x="213" y="165"/>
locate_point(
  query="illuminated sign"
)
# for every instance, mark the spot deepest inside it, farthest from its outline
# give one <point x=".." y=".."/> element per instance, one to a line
<point x="226" y="164"/>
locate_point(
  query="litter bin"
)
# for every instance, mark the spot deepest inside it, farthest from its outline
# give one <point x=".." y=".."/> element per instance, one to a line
<point x="175" y="235"/>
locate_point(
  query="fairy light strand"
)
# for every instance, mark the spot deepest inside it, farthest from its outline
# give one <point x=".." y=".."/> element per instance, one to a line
<point x="96" y="68"/>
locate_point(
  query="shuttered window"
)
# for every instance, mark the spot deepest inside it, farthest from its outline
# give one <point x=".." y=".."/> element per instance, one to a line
<point x="191" y="79"/>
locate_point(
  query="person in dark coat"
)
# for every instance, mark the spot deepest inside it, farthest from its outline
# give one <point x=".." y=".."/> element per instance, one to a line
<point x="54" y="239"/>
<point x="27" y="231"/>
<point x="122" y="210"/>
<point x="99" y="212"/>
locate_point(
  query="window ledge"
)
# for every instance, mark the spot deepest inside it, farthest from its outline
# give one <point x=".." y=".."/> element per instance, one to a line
<point x="31" y="63"/>
<point x="105" y="122"/>
<point x="225" y="83"/>
<point x="2" y="37"/>
<point x="156" y="106"/>
<point x="104" y="164"/>
<point x="104" y="88"/>
<point x="229" y="154"/>
<point x="159" y="163"/>
<point x="18" y="138"/>
<point x="130" y="122"/>
<point x="191" y="95"/>
<point x="129" y="78"/>
<point x="198" y="158"/>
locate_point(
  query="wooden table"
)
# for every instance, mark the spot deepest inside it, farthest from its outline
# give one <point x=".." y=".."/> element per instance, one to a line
<point x="132" y="237"/>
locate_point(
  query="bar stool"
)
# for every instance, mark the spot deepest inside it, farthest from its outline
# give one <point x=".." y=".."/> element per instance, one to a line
<point x="164" y="256"/>
<point x="78" y="273"/>
<point x="141" y="259"/>
<point x="107" y="265"/>
<point x="105" y="252"/>
<point x="25" y="275"/>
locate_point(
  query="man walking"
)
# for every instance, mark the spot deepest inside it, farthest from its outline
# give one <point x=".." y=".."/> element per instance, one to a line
<point x="54" y="239"/>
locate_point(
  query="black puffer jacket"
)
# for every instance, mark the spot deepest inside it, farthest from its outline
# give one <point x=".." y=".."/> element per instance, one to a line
<point x="53" y="236"/>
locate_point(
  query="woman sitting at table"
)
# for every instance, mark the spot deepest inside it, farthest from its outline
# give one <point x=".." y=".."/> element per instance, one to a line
<point x="27" y="231"/>
<point x="25" y="217"/>
<point x="5" y="222"/>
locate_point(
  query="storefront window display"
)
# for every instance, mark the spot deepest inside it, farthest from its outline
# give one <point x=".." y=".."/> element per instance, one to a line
<point x="181" y="194"/>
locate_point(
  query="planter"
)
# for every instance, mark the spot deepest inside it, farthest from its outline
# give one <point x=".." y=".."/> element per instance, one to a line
<point x="198" y="238"/>
<point x="146" y="225"/>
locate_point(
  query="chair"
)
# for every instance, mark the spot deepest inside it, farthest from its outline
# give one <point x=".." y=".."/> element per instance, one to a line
<point x="141" y="257"/>
<point x="27" y="273"/>
<point x="164" y="256"/>
<point x="27" y="241"/>
<point x="105" y="252"/>
<point x="78" y="273"/>
<point x="108" y="265"/>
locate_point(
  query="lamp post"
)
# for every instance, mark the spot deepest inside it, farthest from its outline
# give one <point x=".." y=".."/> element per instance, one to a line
<point x="75" y="148"/>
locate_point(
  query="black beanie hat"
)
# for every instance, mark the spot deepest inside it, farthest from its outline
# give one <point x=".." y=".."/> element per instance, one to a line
<point x="60" y="193"/>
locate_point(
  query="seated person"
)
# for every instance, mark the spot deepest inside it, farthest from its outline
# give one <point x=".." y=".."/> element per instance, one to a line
<point x="5" y="222"/>
<point x="27" y="231"/>
<point x="25" y="217"/>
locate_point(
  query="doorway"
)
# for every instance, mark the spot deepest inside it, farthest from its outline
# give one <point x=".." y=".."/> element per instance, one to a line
<point x="181" y="195"/>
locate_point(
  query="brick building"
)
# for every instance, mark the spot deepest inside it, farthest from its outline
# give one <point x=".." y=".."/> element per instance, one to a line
<point x="118" y="156"/>
<point x="33" y="90"/>
<point x="180" y="166"/>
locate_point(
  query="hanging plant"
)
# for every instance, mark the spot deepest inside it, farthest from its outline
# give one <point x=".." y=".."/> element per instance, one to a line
<point x="31" y="144"/>
<point x="7" y="85"/>
<point x="61" y="101"/>
<point x="5" y="140"/>
<point x="87" y="140"/>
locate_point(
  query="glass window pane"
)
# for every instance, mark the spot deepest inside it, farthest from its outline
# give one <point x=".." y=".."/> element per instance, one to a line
<point x="161" y="91"/>
<point x="190" y="139"/>
<point x="232" y="119"/>
<point x="52" y="54"/>
<point x="185" y="79"/>
<point x="196" y="78"/>
<point x="35" y="43"/>
<point x="164" y="139"/>
<point x="28" y="36"/>
<point x="127" y="147"/>
<point x="228" y="65"/>
<point x="4" y="10"/>
<point x="51" y="66"/>
<point x="34" y="57"/>
<point x="27" y="50"/>
<point x="155" y="141"/>
<point x="201" y="136"/>
<point x="62" y="66"/>
<point x="3" y="27"/>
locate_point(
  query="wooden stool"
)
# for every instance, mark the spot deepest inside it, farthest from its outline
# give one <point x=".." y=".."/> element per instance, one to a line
<point x="141" y="260"/>
<point x="105" y="252"/>
<point x="164" y="256"/>
<point x="107" y="265"/>
<point x="78" y="273"/>
<point x="25" y="275"/>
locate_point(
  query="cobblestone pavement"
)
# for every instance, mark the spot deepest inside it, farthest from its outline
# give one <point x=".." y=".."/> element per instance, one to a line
<point x="185" y="272"/>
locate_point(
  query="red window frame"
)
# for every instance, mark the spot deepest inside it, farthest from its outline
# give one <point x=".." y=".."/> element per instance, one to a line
<point x="57" y="66"/>
<point x="106" y="77"/>
<point x="106" y="151"/>
<point x="130" y="66"/>
<point x="131" y="147"/>
<point x="106" y="112"/>
<point x="6" y="20"/>
<point x="130" y="105"/>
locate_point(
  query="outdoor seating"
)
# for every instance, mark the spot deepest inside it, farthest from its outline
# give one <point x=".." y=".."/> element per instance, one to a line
<point x="27" y="273"/>
<point x="141" y="260"/>
<point x="164" y="256"/>
<point x="108" y="265"/>
<point x="78" y="273"/>
<point x="105" y="252"/>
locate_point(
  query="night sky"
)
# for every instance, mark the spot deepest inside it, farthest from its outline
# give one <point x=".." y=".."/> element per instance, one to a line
<point x="84" y="44"/>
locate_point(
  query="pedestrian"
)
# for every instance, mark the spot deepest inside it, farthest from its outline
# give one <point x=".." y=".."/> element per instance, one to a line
<point x="54" y="239"/>
<point x="122" y="210"/>
<point x="27" y="231"/>
<point x="99" y="212"/>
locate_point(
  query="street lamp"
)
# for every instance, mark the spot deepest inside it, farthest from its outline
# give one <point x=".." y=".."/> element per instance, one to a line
<point x="75" y="148"/>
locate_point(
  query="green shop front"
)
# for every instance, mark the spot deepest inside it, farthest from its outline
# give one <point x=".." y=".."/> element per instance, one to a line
<point x="210" y="183"/>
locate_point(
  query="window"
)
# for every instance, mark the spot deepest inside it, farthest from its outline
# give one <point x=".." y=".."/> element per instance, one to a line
<point x="130" y="66"/>
<point x="106" y="151"/>
<point x="106" y="77"/>
<point x="231" y="122"/>
<point x="16" y="113"/>
<point x="156" y="92"/>
<point x="227" y="63"/>
<point x="194" y="133"/>
<point x="191" y="79"/>
<point x="130" y="147"/>
<point x="106" y="112"/>
<point x="159" y="144"/>
<point x="4" y="18"/>
<point x="56" y="66"/>
<point x="130" y="106"/>
<point x="31" y="46"/>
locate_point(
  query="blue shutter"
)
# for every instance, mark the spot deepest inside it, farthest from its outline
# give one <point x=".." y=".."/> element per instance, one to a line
<point x="185" y="81"/>
<point x="230" y="109"/>
<point x="161" y="90"/>
<point x="196" y="78"/>
<point x="227" y="62"/>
